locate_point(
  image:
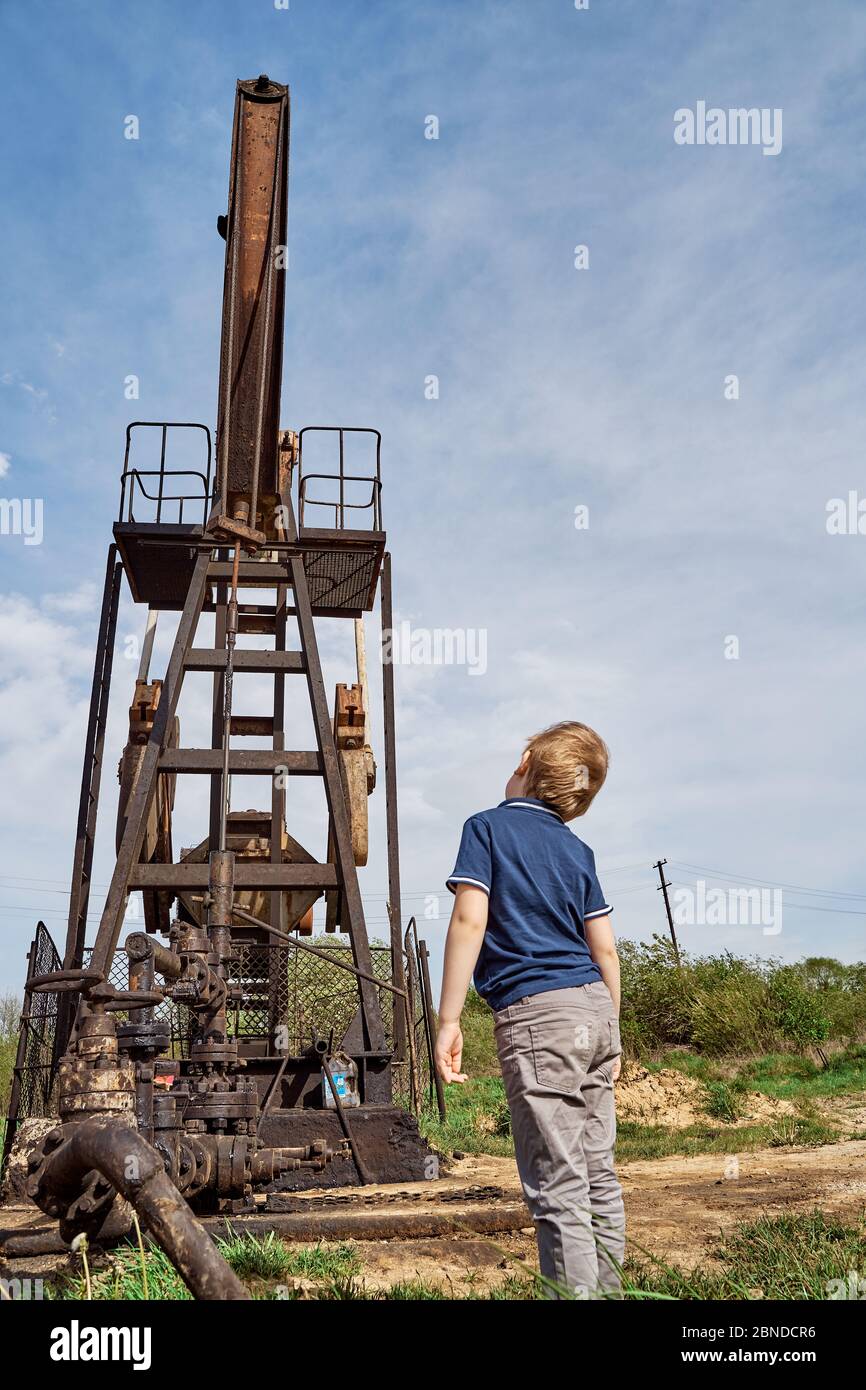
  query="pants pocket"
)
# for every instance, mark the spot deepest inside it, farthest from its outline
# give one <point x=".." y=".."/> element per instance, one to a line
<point x="561" y="1054"/>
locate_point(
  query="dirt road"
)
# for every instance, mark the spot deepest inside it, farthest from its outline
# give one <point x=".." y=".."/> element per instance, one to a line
<point x="675" y="1208"/>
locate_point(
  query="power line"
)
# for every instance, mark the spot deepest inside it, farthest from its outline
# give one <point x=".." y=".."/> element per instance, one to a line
<point x="799" y="907"/>
<point x="766" y="882"/>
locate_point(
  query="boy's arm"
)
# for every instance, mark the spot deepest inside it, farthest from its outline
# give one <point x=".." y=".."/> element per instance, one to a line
<point x="602" y="948"/>
<point x="462" y="946"/>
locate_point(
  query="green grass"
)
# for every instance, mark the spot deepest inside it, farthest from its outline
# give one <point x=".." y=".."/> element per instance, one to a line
<point x="271" y="1258"/>
<point x="477" y="1120"/>
<point x="783" y="1075"/>
<point x="256" y="1261"/>
<point x="725" y="1101"/>
<point x="786" y="1257"/>
<point x="658" y="1141"/>
<point x="124" y="1279"/>
<point x="773" y="1257"/>
<point x="479" y="1049"/>
<point x="789" y="1077"/>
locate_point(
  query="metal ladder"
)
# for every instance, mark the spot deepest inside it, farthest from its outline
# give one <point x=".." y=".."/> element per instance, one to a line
<point x="287" y="572"/>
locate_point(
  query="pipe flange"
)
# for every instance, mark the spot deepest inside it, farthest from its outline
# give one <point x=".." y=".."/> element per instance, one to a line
<point x="195" y="1166"/>
<point x="146" y="1038"/>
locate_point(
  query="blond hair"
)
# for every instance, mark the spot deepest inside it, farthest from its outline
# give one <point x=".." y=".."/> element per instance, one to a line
<point x="566" y="767"/>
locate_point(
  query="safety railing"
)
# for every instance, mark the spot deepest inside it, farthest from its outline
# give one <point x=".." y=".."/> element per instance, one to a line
<point x="332" y="510"/>
<point x="165" y="506"/>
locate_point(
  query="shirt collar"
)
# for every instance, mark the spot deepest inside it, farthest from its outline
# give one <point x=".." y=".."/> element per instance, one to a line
<point x="530" y="803"/>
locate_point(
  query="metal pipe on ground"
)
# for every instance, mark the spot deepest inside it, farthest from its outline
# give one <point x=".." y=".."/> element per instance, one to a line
<point x="302" y="1227"/>
<point x="377" y="1225"/>
<point x="115" y="1150"/>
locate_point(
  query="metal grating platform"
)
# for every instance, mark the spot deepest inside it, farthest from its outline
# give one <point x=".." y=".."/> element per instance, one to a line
<point x="342" y="567"/>
<point x="340" y="578"/>
<point x="158" y="560"/>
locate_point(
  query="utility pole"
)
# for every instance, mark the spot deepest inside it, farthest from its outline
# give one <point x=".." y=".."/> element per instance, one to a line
<point x="664" y="885"/>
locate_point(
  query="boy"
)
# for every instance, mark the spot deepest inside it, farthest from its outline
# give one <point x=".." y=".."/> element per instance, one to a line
<point x="531" y="922"/>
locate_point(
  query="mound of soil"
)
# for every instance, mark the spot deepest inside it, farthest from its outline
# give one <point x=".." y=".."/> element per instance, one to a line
<point x="672" y="1099"/>
<point x="28" y="1134"/>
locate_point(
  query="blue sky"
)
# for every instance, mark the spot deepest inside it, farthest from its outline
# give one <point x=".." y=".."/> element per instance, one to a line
<point x="558" y="388"/>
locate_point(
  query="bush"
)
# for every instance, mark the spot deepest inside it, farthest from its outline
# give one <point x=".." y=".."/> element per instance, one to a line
<point x="726" y="1004"/>
<point x="796" y="1011"/>
<point x="657" y="997"/>
<point x="730" y="1016"/>
<point x="10" y="1010"/>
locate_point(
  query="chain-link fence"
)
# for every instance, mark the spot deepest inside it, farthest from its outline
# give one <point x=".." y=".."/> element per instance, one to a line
<point x="39" y="1027"/>
<point x="279" y="994"/>
<point x="282" y="995"/>
<point x="32" y="1092"/>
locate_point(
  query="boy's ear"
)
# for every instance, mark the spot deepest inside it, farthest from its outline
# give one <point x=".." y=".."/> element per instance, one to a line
<point x="520" y="770"/>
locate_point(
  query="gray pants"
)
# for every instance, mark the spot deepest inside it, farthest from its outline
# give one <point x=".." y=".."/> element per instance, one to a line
<point x="556" y="1051"/>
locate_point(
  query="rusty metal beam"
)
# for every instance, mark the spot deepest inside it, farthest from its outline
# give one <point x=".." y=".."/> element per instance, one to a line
<point x="301" y="1226"/>
<point x="264" y="662"/>
<point x="243" y="761"/>
<point x="378" y="1225"/>
<point x="353" y="914"/>
<point x="249" y="873"/>
<point x="88" y="805"/>
<point x="254" y="293"/>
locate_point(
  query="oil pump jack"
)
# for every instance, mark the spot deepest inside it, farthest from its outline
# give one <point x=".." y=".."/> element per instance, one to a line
<point x="213" y="1120"/>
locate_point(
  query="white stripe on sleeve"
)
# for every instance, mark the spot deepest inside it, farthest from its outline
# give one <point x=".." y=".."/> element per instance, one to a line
<point x="475" y="882"/>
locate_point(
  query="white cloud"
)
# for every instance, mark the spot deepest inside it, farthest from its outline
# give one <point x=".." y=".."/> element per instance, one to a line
<point x="76" y="602"/>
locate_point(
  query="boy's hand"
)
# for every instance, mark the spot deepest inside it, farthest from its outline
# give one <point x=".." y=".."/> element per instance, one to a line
<point x="449" y="1053"/>
<point x="616" y="1068"/>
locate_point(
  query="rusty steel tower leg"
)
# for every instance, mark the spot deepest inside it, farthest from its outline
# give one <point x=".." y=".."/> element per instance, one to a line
<point x="145" y="790"/>
<point x="88" y="805"/>
<point x="338" y="811"/>
<point x="279" y="957"/>
<point x="394" y="908"/>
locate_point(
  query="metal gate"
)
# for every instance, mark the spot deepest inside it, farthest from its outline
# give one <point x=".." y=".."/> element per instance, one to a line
<point x="36" y="1060"/>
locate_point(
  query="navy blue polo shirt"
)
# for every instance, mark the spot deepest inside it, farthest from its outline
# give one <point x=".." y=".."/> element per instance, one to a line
<point x="542" y="885"/>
